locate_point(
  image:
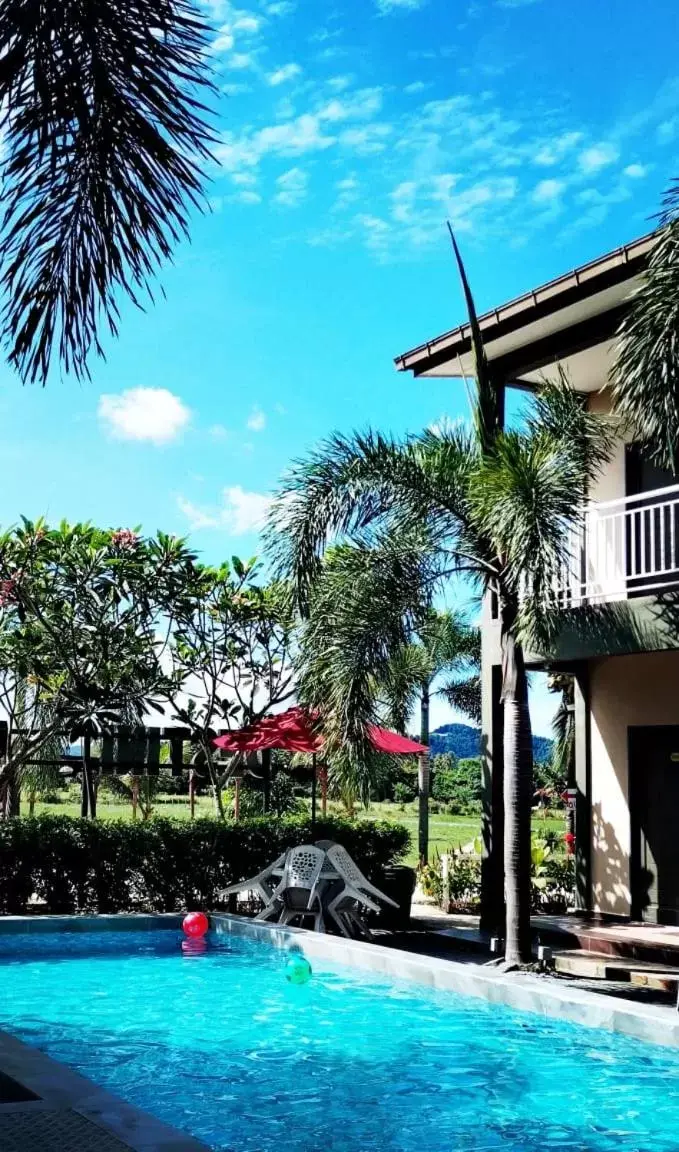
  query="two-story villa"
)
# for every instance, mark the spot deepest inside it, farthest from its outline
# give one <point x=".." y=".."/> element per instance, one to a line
<point x="621" y="629"/>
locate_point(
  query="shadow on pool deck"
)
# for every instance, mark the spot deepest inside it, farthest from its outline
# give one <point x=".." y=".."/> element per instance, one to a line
<point x="638" y="962"/>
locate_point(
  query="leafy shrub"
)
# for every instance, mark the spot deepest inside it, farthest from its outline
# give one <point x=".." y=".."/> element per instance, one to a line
<point x="404" y="793"/>
<point x="283" y="799"/>
<point x="163" y="865"/>
<point x="457" y="782"/>
<point x="552" y="879"/>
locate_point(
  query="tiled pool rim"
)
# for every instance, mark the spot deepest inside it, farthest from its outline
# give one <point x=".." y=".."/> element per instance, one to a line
<point x="524" y="991"/>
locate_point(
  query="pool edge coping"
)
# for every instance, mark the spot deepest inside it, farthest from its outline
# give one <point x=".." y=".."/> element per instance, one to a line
<point x="60" y="1088"/>
<point x="523" y="991"/>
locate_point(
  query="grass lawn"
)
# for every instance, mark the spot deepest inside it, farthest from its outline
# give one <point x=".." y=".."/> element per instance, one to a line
<point x="445" y="831"/>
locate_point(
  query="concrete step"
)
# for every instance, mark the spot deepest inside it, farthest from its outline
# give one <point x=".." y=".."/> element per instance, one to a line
<point x="597" y="966"/>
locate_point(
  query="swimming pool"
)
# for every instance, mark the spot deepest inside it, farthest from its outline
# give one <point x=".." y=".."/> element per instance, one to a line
<point x="222" y="1046"/>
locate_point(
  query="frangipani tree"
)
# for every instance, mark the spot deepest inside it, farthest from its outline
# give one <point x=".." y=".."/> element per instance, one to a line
<point x="231" y="659"/>
<point x="497" y="506"/>
<point x="85" y="619"/>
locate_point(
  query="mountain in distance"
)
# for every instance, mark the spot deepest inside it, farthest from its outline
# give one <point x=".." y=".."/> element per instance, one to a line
<point x="463" y="741"/>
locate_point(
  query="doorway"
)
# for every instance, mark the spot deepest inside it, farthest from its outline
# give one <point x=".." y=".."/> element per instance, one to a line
<point x="654" y="811"/>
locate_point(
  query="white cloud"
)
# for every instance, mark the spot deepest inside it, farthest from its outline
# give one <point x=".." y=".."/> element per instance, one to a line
<point x="240" y="513"/>
<point x="280" y="8"/>
<point x="547" y="191"/>
<point x="362" y="104"/>
<point x="366" y="141"/>
<point x="385" y="6"/>
<point x="218" y="432"/>
<point x="282" y="75"/>
<point x="515" y="3"/>
<point x="292" y="188"/>
<point x="224" y="40"/>
<point x="339" y="83"/>
<point x="347" y="191"/>
<point x="238" y="22"/>
<point x="256" y="420"/>
<point x="152" y="414"/>
<point x="292" y="138"/>
<point x="240" y="61"/>
<point x="666" y="131"/>
<point x="415" y="87"/>
<point x="246" y="196"/>
<point x="596" y="157"/>
<point x="635" y="171"/>
<point x="553" y="151"/>
<point x="248" y="23"/>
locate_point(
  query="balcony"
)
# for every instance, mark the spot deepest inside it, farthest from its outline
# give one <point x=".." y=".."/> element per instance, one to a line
<point x="626" y="548"/>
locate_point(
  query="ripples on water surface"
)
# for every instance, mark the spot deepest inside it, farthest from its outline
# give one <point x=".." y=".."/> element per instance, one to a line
<point x="222" y="1046"/>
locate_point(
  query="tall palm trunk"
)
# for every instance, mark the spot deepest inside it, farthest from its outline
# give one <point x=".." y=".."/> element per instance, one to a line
<point x="518" y="790"/>
<point x="423" y="779"/>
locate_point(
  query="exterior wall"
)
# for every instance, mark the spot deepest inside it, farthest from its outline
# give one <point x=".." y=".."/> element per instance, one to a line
<point x="624" y="691"/>
<point x="610" y="485"/>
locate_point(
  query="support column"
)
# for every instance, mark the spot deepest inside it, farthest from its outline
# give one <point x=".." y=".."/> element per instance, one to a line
<point x="492" y="819"/>
<point x="583" y="785"/>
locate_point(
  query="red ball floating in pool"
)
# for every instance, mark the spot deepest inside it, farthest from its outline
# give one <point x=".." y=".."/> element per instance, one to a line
<point x="195" y="925"/>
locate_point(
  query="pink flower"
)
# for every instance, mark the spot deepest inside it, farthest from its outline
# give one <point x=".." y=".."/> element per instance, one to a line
<point x="8" y="591"/>
<point x="125" y="539"/>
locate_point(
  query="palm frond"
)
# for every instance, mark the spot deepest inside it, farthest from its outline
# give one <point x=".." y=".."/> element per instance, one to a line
<point x="105" y="135"/>
<point x="645" y="375"/>
<point x="487" y="411"/>
<point x="464" y="696"/>
<point x="400" y="686"/>
<point x="530" y="495"/>
<point x="365" y="606"/>
<point x="359" y="486"/>
<point x="563" y="727"/>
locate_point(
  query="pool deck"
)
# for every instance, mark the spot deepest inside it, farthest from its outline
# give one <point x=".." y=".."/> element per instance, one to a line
<point x="65" y="1112"/>
<point x="625" y="939"/>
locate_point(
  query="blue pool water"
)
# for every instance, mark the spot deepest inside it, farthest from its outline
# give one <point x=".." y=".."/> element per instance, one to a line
<point x="222" y="1046"/>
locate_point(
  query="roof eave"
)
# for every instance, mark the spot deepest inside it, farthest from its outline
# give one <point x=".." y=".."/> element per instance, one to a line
<point x="549" y="298"/>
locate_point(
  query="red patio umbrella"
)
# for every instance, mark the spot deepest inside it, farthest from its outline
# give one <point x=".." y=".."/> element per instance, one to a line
<point x="297" y="730"/>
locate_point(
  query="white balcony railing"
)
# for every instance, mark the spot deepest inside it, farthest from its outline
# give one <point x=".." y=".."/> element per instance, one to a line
<point x="626" y="547"/>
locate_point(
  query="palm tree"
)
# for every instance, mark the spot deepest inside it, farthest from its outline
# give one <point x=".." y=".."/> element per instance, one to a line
<point x="497" y="506"/>
<point x="443" y="646"/>
<point x="105" y="136"/>
<point x="646" y="370"/>
<point x="422" y="646"/>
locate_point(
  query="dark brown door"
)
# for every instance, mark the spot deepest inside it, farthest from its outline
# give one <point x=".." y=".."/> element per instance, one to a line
<point x="654" y="808"/>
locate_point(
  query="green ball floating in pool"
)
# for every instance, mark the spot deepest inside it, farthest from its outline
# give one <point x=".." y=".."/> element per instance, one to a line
<point x="298" y="970"/>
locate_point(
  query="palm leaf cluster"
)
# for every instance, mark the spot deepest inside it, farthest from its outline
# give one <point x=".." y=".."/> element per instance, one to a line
<point x="105" y="137"/>
<point x="646" y="370"/>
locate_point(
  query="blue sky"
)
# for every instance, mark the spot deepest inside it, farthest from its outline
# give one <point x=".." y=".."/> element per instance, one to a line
<point x="545" y="130"/>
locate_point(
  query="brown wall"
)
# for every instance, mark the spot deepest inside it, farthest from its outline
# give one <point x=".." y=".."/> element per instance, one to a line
<point x="625" y="691"/>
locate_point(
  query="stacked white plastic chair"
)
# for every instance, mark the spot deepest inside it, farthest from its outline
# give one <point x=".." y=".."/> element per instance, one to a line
<point x="356" y="893"/>
<point x="263" y="884"/>
<point x="298" y="890"/>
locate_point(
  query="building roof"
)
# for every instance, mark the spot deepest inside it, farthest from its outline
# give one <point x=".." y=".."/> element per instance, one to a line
<point x="556" y="320"/>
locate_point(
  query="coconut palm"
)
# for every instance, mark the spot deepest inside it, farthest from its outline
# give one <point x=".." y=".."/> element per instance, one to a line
<point x="104" y="137"/>
<point x="646" y="370"/>
<point x="497" y="506"/>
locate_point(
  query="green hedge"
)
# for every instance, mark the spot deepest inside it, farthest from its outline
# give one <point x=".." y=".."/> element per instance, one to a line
<point x="165" y="865"/>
